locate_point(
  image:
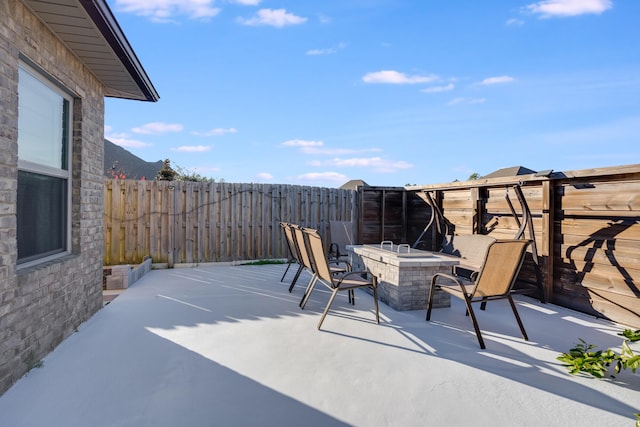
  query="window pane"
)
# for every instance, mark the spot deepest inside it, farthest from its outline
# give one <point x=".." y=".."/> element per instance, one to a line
<point x="42" y="117"/>
<point x="42" y="213"/>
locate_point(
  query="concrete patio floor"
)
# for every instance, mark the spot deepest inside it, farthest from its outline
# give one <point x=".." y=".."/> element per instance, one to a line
<point x="221" y="345"/>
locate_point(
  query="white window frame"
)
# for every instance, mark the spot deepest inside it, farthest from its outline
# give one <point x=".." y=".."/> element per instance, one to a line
<point x="29" y="166"/>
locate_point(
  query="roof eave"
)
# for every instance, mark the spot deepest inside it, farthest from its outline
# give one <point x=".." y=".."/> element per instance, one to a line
<point x="106" y="23"/>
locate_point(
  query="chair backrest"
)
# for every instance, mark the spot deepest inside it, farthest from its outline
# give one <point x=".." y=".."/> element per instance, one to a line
<point x="291" y="244"/>
<point x="471" y="248"/>
<point x="342" y="234"/>
<point x="321" y="265"/>
<point x="501" y="267"/>
<point x="305" y="256"/>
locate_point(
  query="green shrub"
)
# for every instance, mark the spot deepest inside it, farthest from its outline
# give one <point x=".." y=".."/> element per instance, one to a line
<point x="586" y="359"/>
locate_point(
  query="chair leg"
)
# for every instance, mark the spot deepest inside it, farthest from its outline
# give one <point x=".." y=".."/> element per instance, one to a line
<point x="430" y="298"/>
<point x="375" y="298"/>
<point x="475" y="323"/>
<point x="513" y="307"/>
<point x="285" y="272"/>
<point x="326" y="310"/>
<point x="295" y="278"/>
<point x="307" y="292"/>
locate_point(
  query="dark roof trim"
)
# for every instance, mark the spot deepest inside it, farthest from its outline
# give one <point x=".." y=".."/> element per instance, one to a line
<point x="510" y="171"/>
<point x="106" y="23"/>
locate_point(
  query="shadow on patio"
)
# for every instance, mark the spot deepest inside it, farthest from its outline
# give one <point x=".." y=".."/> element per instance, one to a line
<point x="228" y="345"/>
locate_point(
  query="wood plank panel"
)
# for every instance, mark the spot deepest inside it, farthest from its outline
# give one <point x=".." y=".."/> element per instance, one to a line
<point x="628" y="229"/>
<point x="142" y="228"/>
<point x="117" y="214"/>
<point x="497" y="202"/>
<point x="616" y="282"/>
<point x="190" y="219"/>
<point x="129" y="223"/>
<point x="165" y="232"/>
<point x="621" y="308"/>
<point x="600" y="255"/>
<point x="602" y="197"/>
<point x="107" y="222"/>
<point x="203" y="209"/>
<point x="215" y="222"/>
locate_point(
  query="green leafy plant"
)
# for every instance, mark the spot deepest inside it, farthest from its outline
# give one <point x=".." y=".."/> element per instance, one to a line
<point x="627" y="359"/>
<point x="587" y="359"/>
<point x="584" y="358"/>
<point x="632" y="336"/>
<point x="183" y="174"/>
<point x="166" y="173"/>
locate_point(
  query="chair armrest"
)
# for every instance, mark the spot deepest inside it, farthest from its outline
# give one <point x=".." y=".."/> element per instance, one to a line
<point x="448" y="276"/>
<point x="342" y="261"/>
<point x="351" y="273"/>
<point x="451" y="277"/>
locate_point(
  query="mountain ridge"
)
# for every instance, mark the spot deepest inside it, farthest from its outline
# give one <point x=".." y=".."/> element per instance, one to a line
<point x="120" y="163"/>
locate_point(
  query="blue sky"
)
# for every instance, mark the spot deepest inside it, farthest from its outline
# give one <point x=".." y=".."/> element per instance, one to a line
<point x="393" y="92"/>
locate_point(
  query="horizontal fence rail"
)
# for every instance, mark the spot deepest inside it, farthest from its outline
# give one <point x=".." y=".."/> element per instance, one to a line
<point x="195" y="222"/>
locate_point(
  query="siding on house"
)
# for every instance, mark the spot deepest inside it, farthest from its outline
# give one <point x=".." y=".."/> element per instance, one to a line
<point x="42" y="305"/>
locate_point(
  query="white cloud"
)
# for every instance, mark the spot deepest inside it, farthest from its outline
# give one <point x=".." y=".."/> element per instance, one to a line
<point x="513" y="22"/>
<point x="323" y="176"/>
<point x="274" y="18"/>
<point x="129" y="143"/>
<point x="193" y="148"/>
<point x="376" y="164"/>
<point x="458" y="101"/>
<point x="395" y="77"/>
<point x="326" y="51"/>
<point x="318" y="148"/>
<point x="123" y="139"/>
<point x="434" y="89"/>
<point x="337" y="151"/>
<point x="247" y="2"/>
<point x="215" y="132"/>
<point x="264" y="176"/>
<point x="165" y="10"/>
<point x="302" y="143"/>
<point x="563" y="8"/>
<point x="496" y="80"/>
<point x="157" y="128"/>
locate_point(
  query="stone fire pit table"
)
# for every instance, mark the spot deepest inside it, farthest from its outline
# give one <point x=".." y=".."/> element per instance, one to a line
<point x="404" y="274"/>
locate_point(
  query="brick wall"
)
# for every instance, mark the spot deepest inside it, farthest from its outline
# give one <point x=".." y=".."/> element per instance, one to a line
<point x="42" y="305"/>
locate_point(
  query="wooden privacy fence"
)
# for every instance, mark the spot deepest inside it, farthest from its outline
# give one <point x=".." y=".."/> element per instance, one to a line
<point x="586" y="226"/>
<point x="194" y="222"/>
